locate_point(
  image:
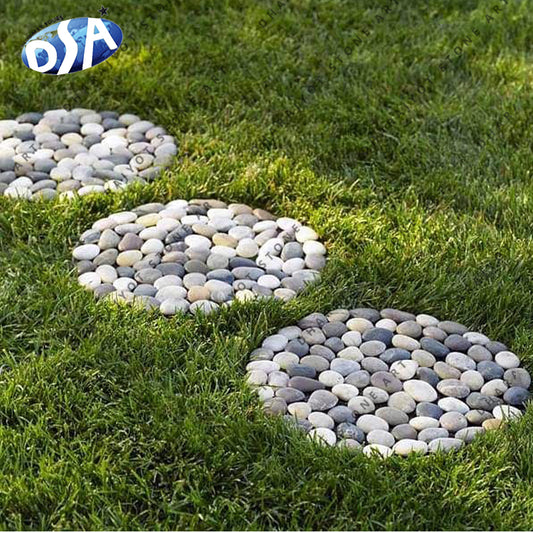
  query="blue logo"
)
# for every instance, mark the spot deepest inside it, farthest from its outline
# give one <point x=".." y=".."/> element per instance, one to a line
<point x="72" y="45"/>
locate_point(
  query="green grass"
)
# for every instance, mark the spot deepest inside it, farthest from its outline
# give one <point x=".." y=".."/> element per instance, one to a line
<point x="113" y="418"/>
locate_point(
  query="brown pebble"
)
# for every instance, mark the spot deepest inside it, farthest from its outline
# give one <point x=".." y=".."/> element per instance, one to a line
<point x="223" y="239"/>
<point x="240" y="209"/>
<point x="198" y="293"/>
<point x="203" y="229"/>
<point x="209" y="203"/>
<point x="261" y="214"/>
<point x="493" y="423"/>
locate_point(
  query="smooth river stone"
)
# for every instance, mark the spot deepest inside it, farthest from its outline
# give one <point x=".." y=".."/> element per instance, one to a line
<point x="420" y="390"/>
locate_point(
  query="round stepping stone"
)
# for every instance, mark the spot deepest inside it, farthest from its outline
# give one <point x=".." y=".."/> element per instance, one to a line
<point x="185" y="254"/>
<point x="385" y="382"/>
<point x="60" y="153"/>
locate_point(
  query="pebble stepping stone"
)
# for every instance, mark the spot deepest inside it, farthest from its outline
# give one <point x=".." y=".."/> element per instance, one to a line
<point x="64" y="154"/>
<point x="199" y="255"/>
<point x="396" y="383"/>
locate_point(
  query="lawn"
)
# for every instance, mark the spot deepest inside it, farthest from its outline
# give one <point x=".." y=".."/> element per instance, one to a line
<point x="414" y="169"/>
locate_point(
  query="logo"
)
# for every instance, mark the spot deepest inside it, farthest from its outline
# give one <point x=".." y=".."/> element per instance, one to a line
<point x="72" y="45"/>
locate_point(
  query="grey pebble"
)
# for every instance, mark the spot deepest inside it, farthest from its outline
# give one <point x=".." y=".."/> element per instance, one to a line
<point x="378" y="334"/>
<point x="517" y="396"/>
<point x="386" y="381"/>
<point x="394" y="354"/>
<point x="348" y="430"/>
<point x="301" y="370"/>
<point x="396" y="315"/>
<point x="517" y="377"/>
<point x="490" y="370"/>
<point x="394" y="417"/>
<point x="429" y="409"/>
<point x="373" y="365"/>
<point x="306" y="384"/>
<point x="457" y="343"/>
<point x="434" y="347"/>
<point x="429" y="434"/>
<point x="366" y="312"/>
<point x="428" y="375"/>
<point x="404" y="431"/>
<point x="322" y="400"/>
<point x="359" y="379"/>
<point x="341" y="413"/>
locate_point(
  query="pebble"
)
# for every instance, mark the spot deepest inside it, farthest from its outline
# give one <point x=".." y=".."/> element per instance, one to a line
<point x="359" y="379"/>
<point x="344" y="391"/>
<point x="330" y="378"/>
<point x="348" y="430"/>
<point x="393" y="416"/>
<point x="434" y="347"/>
<point x="478" y="416"/>
<point x="376" y="394"/>
<point x="490" y="370"/>
<point x="321" y="420"/>
<point x="341" y="413"/>
<point x="494" y="387"/>
<point x="479" y="353"/>
<point x="322" y="400"/>
<point x="420" y="391"/>
<point x="493" y="423"/>
<point x="387" y="382"/>
<point x="301" y="410"/>
<point x="372" y="348"/>
<point x="404" y="370"/>
<point x="517" y="377"/>
<point x="402" y="401"/>
<point x="423" y="422"/>
<point x="349" y="443"/>
<point x="361" y="405"/>
<point x="323" y="436"/>
<point x="406" y="343"/>
<point x="429" y="434"/>
<point x="468" y="434"/>
<point x="472" y="379"/>
<point x="516" y="396"/>
<point x="453" y="421"/>
<point x="379" y="436"/>
<point x="404" y="431"/>
<point x="429" y="409"/>
<point x="86" y="252"/>
<point x="444" y="445"/>
<point x="275" y="406"/>
<point x="507" y="360"/>
<point x="428" y="375"/>
<point x="405" y="447"/>
<point x="460" y="361"/>
<point x="453" y="404"/>
<point x="453" y="387"/>
<point x="377" y="450"/>
<point x="368" y="423"/>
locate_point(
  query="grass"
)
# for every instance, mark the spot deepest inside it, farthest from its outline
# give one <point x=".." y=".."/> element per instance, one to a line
<point x="113" y="418"/>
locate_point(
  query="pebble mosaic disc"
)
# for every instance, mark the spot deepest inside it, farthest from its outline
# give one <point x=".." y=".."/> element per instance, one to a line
<point x="197" y="255"/>
<point x="64" y="153"/>
<point x="388" y="382"/>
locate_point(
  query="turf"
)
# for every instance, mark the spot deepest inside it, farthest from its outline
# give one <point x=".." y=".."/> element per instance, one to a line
<point x="414" y="170"/>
